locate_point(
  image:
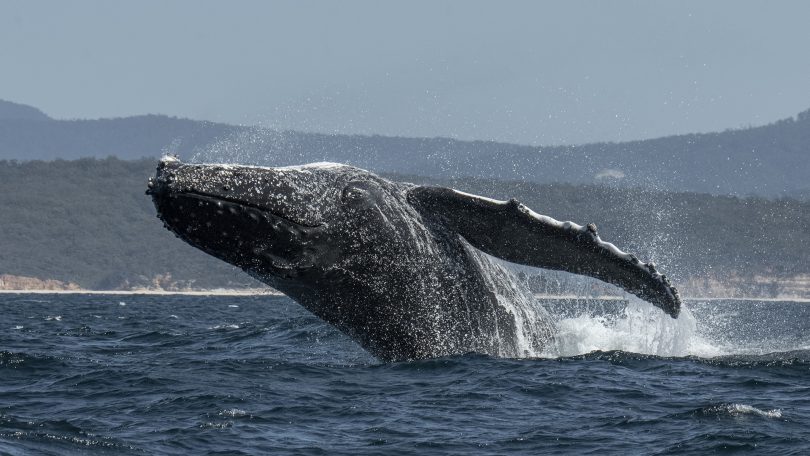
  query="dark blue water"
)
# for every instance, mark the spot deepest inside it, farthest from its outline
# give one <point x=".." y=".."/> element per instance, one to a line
<point x="86" y="374"/>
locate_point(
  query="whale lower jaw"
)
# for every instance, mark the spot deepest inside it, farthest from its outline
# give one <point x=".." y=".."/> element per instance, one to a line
<point x="208" y="217"/>
<point x="222" y="201"/>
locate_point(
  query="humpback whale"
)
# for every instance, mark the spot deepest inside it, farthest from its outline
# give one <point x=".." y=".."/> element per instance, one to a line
<point x="407" y="271"/>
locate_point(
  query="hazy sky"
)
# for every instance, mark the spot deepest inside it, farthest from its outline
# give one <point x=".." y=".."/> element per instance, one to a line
<point x="527" y="72"/>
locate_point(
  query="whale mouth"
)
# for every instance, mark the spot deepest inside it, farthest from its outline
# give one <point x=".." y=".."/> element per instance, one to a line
<point x="243" y="234"/>
<point x="284" y="265"/>
<point x="214" y="209"/>
<point x="285" y="193"/>
<point x="224" y="201"/>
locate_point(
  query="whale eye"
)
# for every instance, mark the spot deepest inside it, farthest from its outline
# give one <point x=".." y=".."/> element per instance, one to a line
<point x="353" y="193"/>
<point x="360" y="195"/>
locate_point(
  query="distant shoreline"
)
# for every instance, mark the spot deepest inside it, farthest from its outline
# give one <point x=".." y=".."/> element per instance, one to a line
<point x="271" y="292"/>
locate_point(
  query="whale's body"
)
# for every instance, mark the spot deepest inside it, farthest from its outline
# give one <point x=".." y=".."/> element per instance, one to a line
<point x="400" y="268"/>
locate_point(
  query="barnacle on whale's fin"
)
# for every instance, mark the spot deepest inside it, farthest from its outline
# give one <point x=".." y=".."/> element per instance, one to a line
<point x="513" y="232"/>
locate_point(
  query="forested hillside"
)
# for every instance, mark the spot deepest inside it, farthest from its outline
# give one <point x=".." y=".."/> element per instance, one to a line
<point x="771" y="160"/>
<point x="88" y="221"/>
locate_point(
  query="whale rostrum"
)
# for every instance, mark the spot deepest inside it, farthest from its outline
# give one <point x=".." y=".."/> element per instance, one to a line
<point x="405" y="270"/>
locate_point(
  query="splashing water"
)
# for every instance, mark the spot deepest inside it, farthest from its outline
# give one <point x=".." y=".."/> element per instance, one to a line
<point x="552" y="328"/>
<point x="704" y="329"/>
<point x="533" y="326"/>
<point x="638" y="328"/>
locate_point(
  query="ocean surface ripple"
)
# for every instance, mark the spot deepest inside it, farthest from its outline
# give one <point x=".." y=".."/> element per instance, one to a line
<point x="94" y="374"/>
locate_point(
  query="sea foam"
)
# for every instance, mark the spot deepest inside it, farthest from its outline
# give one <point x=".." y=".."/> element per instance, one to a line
<point x="638" y="328"/>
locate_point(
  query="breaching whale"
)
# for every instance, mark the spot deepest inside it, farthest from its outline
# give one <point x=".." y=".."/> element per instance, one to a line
<point x="404" y="270"/>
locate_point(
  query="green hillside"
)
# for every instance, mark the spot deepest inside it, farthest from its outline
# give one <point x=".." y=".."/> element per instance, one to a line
<point x="88" y="221"/>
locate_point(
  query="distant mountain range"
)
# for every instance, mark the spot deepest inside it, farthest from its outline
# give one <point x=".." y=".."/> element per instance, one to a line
<point x="771" y="160"/>
<point x="16" y="111"/>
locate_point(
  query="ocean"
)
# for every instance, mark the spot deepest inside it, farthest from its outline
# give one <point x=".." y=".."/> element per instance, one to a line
<point x="174" y="374"/>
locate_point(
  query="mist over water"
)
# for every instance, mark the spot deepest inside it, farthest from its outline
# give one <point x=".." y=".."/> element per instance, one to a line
<point x="440" y="156"/>
<point x="252" y="146"/>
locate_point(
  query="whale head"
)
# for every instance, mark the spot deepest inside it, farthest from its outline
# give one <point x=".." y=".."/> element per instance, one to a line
<point x="287" y="226"/>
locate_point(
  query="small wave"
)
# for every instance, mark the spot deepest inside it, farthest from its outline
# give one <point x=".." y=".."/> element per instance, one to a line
<point x="234" y="413"/>
<point x="212" y="425"/>
<point x="150" y="337"/>
<point x="792" y="358"/>
<point x="53" y="318"/>
<point x="56" y="431"/>
<point x="84" y="331"/>
<point x="225" y="326"/>
<point x="77" y="441"/>
<point x="29" y="362"/>
<point x="738" y="410"/>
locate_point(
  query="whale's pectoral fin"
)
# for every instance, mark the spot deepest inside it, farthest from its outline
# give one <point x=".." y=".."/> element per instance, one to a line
<point x="511" y="231"/>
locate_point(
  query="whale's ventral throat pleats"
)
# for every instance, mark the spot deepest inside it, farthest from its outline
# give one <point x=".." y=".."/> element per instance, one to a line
<point x="397" y="267"/>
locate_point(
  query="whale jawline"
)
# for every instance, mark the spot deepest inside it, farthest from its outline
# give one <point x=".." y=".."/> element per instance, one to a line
<point x="235" y="201"/>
